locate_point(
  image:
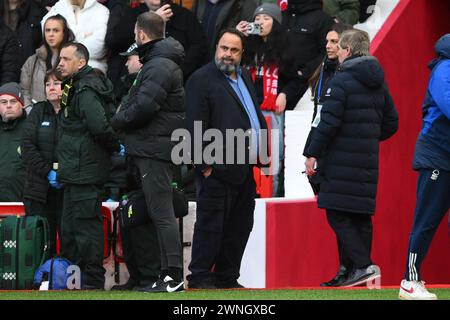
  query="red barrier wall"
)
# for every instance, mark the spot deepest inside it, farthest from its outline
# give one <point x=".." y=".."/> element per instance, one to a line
<point x="301" y="248"/>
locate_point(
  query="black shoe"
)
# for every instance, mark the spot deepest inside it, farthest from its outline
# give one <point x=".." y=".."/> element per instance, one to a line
<point x="201" y="285"/>
<point x="130" y="285"/>
<point x="229" y="285"/>
<point x="166" y="285"/>
<point x="92" y="287"/>
<point x="337" y="281"/>
<point x="361" y="276"/>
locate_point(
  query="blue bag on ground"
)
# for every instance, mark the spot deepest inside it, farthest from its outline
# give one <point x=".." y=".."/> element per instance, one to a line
<point x="55" y="272"/>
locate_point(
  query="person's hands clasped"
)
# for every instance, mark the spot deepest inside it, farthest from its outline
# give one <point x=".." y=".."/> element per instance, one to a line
<point x="165" y="12"/>
<point x="242" y="27"/>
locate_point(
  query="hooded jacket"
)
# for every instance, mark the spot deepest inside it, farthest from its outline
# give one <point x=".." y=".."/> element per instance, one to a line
<point x="32" y="77"/>
<point x="433" y="144"/>
<point x="86" y="139"/>
<point x="9" y="47"/>
<point x="357" y="114"/>
<point x="155" y="107"/>
<point x="88" y="25"/>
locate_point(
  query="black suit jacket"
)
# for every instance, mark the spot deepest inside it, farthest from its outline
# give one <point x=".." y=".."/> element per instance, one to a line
<point x="211" y="100"/>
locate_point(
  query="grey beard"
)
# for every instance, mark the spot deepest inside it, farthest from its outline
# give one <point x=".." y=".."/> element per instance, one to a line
<point x="228" y="69"/>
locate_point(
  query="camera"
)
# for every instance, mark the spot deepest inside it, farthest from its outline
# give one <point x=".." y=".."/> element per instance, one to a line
<point x="254" y="28"/>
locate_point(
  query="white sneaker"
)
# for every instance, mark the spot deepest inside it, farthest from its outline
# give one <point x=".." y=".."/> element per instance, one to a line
<point x="415" y="290"/>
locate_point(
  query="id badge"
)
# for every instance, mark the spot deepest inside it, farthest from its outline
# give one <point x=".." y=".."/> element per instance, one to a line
<point x="316" y="120"/>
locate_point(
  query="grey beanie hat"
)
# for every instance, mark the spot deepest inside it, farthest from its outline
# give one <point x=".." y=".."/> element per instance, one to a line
<point x="270" y="9"/>
<point x="12" y="89"/>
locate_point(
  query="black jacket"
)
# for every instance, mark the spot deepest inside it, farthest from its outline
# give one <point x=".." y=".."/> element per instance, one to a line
<point x="307" y="27"/>
<point x="86" y="140"/>
<point x="328" y="70"/>
<point x="232" y="12"/>
<point x="28" y="31"/>
<point x="211" y="100"/>
<point x="357" y="114"/>
<point x="12" y="170"/>
<point x="9" y="47"/>
<point x="39" y="141"/>
<point x="156" y="102"/>
<point x="183" y="27"/>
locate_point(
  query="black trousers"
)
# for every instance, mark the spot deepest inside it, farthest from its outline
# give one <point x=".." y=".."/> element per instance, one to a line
<point x="354" y="237"/>
<point x="156" y="179"/>
<point x="82" y="232"/>
<point x="223" y="226"/>
<point x="141" y="252"/>
<point x="51" y="210"/>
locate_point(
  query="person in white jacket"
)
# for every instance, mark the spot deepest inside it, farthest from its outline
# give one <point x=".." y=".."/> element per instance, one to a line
<point x="88" y="20"/>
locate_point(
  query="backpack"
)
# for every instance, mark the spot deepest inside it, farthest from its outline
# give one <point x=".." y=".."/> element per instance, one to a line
<point x="133" y="210"/>
<point x="24" y="246"/>
<point x="55" y="272"/>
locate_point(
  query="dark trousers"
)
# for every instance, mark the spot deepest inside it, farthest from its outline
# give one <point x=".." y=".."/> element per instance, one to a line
<point x="82" y="232"/>
<point x="141" y="252"/>
<point x="156" y="179"/>
<point x="433" y="201"/>
<point x="221" y="231"/>
<point x="51" y="210"/>
<point x="354" y="235"/>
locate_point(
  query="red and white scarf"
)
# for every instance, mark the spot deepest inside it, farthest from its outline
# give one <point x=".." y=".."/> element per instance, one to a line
<point x="270" y="85"/>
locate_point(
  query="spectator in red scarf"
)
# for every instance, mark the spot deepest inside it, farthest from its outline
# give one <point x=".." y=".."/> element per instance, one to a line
<point x="270" y="61"/>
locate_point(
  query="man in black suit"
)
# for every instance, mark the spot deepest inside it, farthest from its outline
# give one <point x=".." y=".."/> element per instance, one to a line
<point x="220" y="96"/>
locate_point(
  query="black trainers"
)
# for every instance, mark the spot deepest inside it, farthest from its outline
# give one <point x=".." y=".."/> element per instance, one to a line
<point x="229" y="285"/>
<point x="130" y="285"/>
<point x="337" y="281"/>
<point x="166" y="285"/>
<point x="361" y="276"/>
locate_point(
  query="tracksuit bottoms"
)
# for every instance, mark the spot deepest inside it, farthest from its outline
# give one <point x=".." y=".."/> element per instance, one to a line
<point x="433" y="201"/>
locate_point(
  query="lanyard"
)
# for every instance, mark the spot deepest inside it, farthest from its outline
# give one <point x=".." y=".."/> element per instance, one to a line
<point x="319" y="88"/>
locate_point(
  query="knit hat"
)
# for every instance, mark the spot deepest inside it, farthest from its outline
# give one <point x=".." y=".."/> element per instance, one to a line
<point x="132" y="51"/>
<point x="270" y="9"/>
<point x="12" y="89"/>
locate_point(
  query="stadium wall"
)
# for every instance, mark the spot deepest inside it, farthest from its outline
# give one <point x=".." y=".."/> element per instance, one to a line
<point x="300" y="246"/>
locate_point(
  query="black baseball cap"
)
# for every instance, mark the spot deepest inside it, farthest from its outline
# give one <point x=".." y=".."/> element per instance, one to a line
<point x="132" y="51"/>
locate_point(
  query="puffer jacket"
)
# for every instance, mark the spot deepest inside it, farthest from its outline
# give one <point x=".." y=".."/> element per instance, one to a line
<point x="9" y="47"/>
<point x="357" y="114"/>
<point x="86" y="139"/>
<point x="32" y="77"/>
<point x="156" y="102"/>
<point x="39" y="141"/>
<point x="89" y="27"/>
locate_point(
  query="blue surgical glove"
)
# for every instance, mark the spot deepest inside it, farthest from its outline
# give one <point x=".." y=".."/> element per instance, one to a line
<point x="122" y="150"/>
<point x="52" y="179"/>
<point x="110" y="200"/>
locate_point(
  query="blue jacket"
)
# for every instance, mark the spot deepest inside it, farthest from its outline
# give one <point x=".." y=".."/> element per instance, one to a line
<point x="433" y="144"/>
